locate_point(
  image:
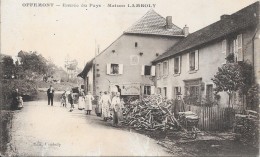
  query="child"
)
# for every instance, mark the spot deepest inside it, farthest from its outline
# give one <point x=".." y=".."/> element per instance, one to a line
<point x="63" y="99"/>
<point x="70" y="99"/>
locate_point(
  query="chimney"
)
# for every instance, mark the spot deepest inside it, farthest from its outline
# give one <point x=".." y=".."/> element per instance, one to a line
<point x="185" y="31"/>
<point x="225" y="16"/>
<point x="169" y="22"/>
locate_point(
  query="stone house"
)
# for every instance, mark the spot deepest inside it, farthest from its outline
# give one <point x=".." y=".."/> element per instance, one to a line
<point x="188" y="66"/>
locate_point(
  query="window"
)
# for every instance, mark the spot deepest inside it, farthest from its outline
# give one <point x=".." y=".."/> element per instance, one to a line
<point x="147" y="90"/>
<point x="136" y="44"/>
<point x="209" y="92"/>
<point x="236" y="48"/>
<point x="114" y="69"/>
<point x="224" y="46"/>
<point x="148" y="70"/>
<point x="165" y="68"/>
<point x="164" y="94"/>
<point x="177" y="68"/>
<point x="160" y="70"/>
<point x="193" y="61"/>
<point x="193" y="91"/>
<point x="239" y="48"/>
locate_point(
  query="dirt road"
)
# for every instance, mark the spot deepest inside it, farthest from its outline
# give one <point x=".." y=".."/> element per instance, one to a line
<point x="42" y="130"/>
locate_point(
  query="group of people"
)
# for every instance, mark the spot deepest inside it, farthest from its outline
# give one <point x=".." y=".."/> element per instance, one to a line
<point x="111" y="108"/>
<point x="17" y="100"/>
<point x="84" y="101"/>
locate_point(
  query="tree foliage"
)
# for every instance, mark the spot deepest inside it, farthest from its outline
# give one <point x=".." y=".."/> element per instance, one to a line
<point x="236" y="77"/>
<point x="228" y="78"/>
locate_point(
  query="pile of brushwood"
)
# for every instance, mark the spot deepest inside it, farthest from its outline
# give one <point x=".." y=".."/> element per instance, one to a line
<point x="152" y="113"/>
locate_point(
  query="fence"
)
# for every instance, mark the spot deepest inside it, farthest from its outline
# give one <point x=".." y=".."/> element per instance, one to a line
<point x="213" y="118"/>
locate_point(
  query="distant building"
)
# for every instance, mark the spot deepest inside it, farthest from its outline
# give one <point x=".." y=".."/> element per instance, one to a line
<point x="125" y="65"/>
<point x="188" y="67"/>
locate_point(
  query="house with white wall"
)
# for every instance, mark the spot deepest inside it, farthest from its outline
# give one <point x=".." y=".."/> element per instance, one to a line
<point x="125" y="65"/>
<point x="188" y="67"/>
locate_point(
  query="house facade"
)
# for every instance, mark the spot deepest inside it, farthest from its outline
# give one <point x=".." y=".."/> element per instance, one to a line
<point x="125" y="66"/>
<point x="188" y="67"/>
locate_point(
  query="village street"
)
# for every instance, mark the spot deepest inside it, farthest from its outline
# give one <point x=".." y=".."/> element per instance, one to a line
<point x="42" y="130"/>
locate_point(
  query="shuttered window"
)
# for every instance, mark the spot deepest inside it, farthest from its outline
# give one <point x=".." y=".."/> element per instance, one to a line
<point x="165" y="68"/>
<point x="193" y="59"/>
<point x="148" y="70"/>
<point x="114" y="69"/>
<point x="177" y="65"/>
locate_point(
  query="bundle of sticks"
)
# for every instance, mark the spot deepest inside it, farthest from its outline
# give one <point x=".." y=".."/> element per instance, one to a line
<point x="150" y="113"/>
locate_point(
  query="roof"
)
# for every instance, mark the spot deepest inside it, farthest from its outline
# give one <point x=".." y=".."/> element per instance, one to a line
<point x="86" y="69"/>
<point x="153" y="24"/>
<point x="240" y="20"/>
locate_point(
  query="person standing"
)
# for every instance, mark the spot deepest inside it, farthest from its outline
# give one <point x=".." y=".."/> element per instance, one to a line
<point x="15" y="96"/>
<point x="81" y="100"/>
<point x="70" y="100"/>
<point x="115" y="105"/>
<point x="99" y="105"/>
<point x="105" y="103"/>
<point x="50" y="94"/>
<point x="88" y="103"/>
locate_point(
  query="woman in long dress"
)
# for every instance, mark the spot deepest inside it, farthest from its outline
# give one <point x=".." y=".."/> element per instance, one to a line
<point x="105" y="101"/>
<point x="115" y="105"/>
<point x="81" y="100"/>
<point x="88" y="103"/>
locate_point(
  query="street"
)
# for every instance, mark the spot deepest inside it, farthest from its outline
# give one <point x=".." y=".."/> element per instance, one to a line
<point x="42" y="130"/>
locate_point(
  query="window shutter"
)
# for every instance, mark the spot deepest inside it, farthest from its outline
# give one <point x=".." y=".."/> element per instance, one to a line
<point x="173" y="63"/>
<point x="179" y="89"/>
<point x="108" y="68"/>
<point x="224" y="46"/>
<point x="120" y="68"/>
<point x="153" y="70"/>
<point x="239" y="48"/>
<point x="179" y="64"/>
<point x="142" y="70"/>
<point x="197" y="60"/>
<point x="152" y="90"/>
<point x="142" y="89"/>
<point x="166" y="68"/>
<point x="188" y="62"/>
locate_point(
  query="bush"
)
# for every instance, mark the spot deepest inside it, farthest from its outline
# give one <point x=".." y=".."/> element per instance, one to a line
<point x="26" y="88"/>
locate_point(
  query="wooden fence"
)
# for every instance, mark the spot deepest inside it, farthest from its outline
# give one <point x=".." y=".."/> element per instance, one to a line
<point x="213" y="118"/>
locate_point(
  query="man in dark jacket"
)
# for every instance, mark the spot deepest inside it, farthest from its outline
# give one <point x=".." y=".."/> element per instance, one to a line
<point x="50" y="94"/>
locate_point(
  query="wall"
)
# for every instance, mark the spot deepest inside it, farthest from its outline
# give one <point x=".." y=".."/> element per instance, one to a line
<point x="123" y="48"/>
<point x="89" y="84"/>
<point x="257" y="56"/>
<point x="210" y="58"/>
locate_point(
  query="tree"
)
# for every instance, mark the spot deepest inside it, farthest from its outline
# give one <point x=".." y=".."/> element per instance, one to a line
<point x="33" y="64"/>
<point x="236" y="77"/>
<point x="8" y="67"/>
<point x="228" y="79"/>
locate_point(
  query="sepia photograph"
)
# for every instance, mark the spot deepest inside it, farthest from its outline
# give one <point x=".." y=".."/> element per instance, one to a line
<point x="129" y="78"/>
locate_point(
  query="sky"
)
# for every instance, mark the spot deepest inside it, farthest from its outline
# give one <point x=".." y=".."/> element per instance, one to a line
<point x="61" y="32"/>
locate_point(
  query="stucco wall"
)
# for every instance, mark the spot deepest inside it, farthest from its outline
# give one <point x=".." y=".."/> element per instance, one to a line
<point x="123" y="48"/>
<point x="210" y="58"/>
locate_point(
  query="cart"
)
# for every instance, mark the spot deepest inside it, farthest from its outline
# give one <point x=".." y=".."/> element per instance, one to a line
<point x="189" y="121"/>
